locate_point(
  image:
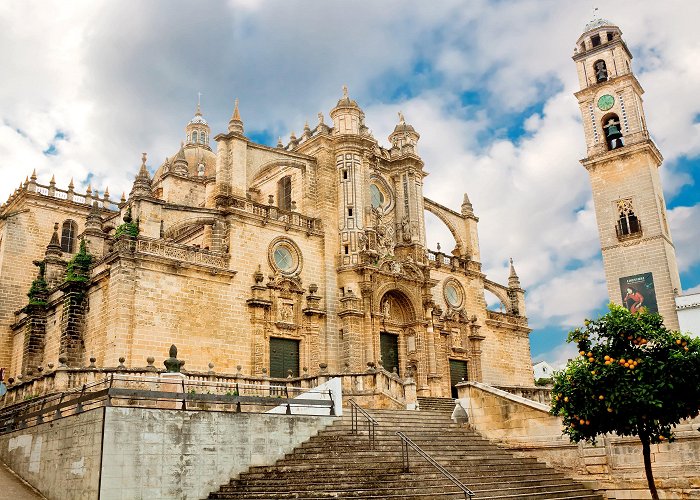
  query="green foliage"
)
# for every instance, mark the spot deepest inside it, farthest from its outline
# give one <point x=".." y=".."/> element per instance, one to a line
<point x="38" y="292"/>
<point x="543" y="381"/>
<point x="129" y="228"/>
<point x="78" y="267"/>
<point x="633" y="377"/>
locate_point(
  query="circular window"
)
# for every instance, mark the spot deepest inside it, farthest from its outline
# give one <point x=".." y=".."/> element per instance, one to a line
<point x="285" y="256"/>
<point x="454" y="295"/>
<point x="377" y="196"/>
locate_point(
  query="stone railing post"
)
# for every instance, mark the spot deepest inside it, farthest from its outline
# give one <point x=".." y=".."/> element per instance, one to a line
<point x="61" y="378"/>
<point x="410" y="394"/>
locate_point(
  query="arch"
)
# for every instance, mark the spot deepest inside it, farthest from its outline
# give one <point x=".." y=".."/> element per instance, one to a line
<point x="447" y="217"/>
<point x="68" y="234"/>
<point x="403" y="297"/>
<point x="182" y="226"/>
<point x="194" y="136"/>
<point x="500" y="292"/>
<point x="281" y="162"/>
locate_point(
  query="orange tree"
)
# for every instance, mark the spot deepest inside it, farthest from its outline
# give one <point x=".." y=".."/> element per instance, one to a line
<point x="633" y="377"/>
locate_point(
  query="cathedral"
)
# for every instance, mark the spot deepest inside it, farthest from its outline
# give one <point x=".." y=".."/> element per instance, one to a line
<point x="270" y="261"/>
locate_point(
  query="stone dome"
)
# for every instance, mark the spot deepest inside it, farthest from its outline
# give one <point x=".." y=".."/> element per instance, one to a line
<point x="194" y="154"/>
<point x="597" y="23"/>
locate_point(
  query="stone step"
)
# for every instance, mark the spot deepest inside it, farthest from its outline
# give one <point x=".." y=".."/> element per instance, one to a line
<point x="338" y="464"/>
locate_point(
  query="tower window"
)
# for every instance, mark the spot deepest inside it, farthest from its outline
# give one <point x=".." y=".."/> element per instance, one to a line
<point x="68" y="233"/>
<point x="201" y="138"/>
<point x="284" y="193"/>
<point x="345" y="174"/>
<point x="350" y="212"/>
<point x="595" y="40"/>
<point x="601" y="71"/>
<point x="613" y="135"/>
<point x="610" y="36"/>
<point x="627" y="222"/>
<point x="194" y="136"/>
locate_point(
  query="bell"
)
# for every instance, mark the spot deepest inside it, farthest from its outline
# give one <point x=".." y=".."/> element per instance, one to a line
<point x="613" y="132"/>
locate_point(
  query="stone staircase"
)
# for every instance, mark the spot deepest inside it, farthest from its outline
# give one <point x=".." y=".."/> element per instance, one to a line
<point x="337" y="464"/>
<point x="436" y="404"/>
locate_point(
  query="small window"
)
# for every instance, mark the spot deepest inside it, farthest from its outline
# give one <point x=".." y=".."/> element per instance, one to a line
<point x="595" y="40"/>
<point x="68" y="233"/>
<point x="194" y="136"/>
<point x="610" y="36"/>
<point x="350" y="212"/>
<point x="583" y="47"/>
<point x="201" y="138"/>
<point x="346" y="249"/>
<point x="345" y="175"/>
<point x="284" y="193"/>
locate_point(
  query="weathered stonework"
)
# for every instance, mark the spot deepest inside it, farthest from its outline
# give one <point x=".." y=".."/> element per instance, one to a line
<point x="319" y="244"/>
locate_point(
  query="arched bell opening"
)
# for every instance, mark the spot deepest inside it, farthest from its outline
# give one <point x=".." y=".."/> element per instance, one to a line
<point x="612" y="131"/>
<point x="601" y="71"/>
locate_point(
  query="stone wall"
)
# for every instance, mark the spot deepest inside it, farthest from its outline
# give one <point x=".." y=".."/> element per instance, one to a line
<point x="150" y="453"/>
<point x="61" y="458"/>
<point x="615" y="466"/>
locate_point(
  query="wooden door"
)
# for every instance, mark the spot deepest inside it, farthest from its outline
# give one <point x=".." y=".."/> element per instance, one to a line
<point x="284" y="356"/>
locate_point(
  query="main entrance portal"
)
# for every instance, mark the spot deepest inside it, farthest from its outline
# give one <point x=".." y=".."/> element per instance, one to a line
<point x="389" y="345"/>
<point x="458" y="373"/>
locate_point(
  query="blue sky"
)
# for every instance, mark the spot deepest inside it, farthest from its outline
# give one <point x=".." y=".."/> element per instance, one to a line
<point x="489" y="85"/>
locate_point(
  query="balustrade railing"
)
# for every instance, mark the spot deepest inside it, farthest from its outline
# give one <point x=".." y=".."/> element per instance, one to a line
<point x="273" y="213"/>
<point x="355" y="412"/>
<point x="407" y="443"/>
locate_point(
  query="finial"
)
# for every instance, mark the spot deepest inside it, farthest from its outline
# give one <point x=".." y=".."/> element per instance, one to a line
<point x="143" y="158"/>
<point x="199" y="102"/>
<point x="306" y="126"/>
<point x="320" y="118"/>
<point x="345" y="91"/>
<point x="279" y="142"/>
<point x="53" y="179"/>
<point x="123" y="199"/>
<point x="106" y="193"/>
<point x="70" y="184"/>
<point x="513" y="280"/>
<point x="236" y="113"/>
<point x="292" y="137"/>
<point x="402" y="121"/>
<point x="89" y="189"/>
<point x="33" y="176"/>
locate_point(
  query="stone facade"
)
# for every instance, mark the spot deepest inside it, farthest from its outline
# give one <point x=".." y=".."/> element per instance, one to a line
<point x="320" y="242"/>
<point x="623" y="163"/>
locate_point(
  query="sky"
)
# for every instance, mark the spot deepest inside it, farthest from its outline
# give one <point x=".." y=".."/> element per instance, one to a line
<point x="88" y="86"/>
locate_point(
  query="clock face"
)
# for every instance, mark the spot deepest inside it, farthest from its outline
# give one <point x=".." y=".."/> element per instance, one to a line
<point x="606" y="102"/>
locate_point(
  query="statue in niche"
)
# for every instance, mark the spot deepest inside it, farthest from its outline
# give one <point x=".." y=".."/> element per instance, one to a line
<point x="362" y="241"/>
<point x="406" y="232"/>
<point x="386" y="308"/>
<point x="395" y="267"/>
<point x="286" y="312"/>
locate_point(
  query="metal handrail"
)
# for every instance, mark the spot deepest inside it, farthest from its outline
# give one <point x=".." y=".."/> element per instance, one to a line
<point x="406" y="442"/>
<point x="372" y="424"/>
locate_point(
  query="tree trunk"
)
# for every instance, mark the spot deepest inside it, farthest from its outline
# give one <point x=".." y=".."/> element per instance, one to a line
<point x="646" y="451"/>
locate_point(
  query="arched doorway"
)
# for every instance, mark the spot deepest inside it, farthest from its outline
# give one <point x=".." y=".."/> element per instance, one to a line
<point x="397" y="316"/>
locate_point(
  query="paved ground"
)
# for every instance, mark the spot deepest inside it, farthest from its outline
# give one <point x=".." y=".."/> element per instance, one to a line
<point x="13" y="487"/>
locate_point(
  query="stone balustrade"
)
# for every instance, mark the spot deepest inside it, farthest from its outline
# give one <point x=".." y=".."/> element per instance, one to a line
<point x="375" y="386"/>
<point x="272" y="213"/>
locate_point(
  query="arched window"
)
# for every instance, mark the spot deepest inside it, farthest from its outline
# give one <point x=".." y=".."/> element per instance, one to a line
<point x="201" y="138"/>
<point x="601" y="71"/>
<point x="68" y="233"/>
<point x="627" y="222"/>
<point x="284" y="193"/>
<point x="613" y="134"/>
<point x="194" y="136"/>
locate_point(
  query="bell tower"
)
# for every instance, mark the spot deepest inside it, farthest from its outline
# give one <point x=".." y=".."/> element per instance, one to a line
<point x="623" y="164"/>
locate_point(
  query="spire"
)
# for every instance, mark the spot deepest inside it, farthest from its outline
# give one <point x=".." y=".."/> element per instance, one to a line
<point x="180" y="166"/>
<point x="235" y="125"/>
<point x="71" y="186"/>
<point x="54" y="246"/>
<point x="279" y="143"/>
<point x="142" y="182"/>
<point x="467" y="208"/>
<point x="93" y="221"/>
<point x="33" y="176"/>
<point x="513" y="280"/>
